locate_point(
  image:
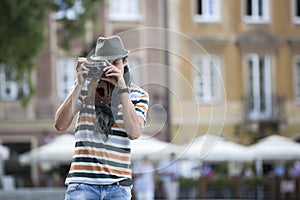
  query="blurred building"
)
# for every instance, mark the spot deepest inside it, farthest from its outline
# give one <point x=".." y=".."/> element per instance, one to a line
<point x="245" y="80"/>
<point x="22" y="129"/>
<point x="230" y="67"/>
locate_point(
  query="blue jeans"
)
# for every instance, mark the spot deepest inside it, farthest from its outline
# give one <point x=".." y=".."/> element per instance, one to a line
<point x="81" y="191"/>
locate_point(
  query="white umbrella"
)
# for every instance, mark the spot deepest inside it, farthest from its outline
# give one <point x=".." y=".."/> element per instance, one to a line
<point x="152" y="148"/>
<point x="4" y="153"/>
<point x="60" y="149"/>
<point x="275" y="147"/>
<point x="216" y="148"/>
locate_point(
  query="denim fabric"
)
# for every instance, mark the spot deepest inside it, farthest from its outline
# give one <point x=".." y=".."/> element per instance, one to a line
<point x="80" y="191"/>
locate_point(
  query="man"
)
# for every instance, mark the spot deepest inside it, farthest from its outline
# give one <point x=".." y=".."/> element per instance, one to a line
<point x="111" y="112"/>
<point x="169" y="171"/>
<point x="144" y="186"/>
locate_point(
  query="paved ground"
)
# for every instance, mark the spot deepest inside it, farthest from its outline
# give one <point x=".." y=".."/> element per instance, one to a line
<point x="33" y="194"/>
<point x="39" y="194"/>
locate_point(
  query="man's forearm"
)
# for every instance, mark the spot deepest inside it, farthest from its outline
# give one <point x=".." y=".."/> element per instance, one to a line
<point x="133" y="124"/>
<point x="67" y="110"/>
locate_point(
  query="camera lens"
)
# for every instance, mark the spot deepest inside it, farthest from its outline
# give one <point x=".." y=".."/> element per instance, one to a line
<point x="94" y="70"/>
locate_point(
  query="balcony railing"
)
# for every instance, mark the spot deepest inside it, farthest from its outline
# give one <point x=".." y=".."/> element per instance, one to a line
<point x="263" y="111"/>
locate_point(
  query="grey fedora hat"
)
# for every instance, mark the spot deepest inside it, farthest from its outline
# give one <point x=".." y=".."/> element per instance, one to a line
<point x="109" y="48"/>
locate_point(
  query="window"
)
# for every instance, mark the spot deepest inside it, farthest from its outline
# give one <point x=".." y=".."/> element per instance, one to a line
<point x="207" y="11"/>
<point x="134" y="67"/>
<point x="297" y="78"/>
<point x="256" y="11"/>
<point x="259" y="87"/>
<point x="66" y="76"/>
<point x="296" y="11"/>
<point x="9" y="89"/>
<point x="124" y="10"/>
<point x="207" y="80"/>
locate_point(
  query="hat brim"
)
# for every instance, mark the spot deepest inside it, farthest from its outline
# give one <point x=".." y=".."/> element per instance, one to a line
<point x="99" y="58"/>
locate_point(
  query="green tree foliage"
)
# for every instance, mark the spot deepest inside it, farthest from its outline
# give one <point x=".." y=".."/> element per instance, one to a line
<point x="22" y="33"/>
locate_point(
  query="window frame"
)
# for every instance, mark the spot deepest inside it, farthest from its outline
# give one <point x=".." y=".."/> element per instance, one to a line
<point x="15" y="87"/>
<point x="206" y="17"/>
<point x="12" y="87"/>
<point x="255" y="18"/>
<point x="295" y="18"/>
<point x="65" y="68"/>
<point x="117" y="10"/>
<point x="134" y="67"/>
<point x="296" y="67"/>
<point x="257" y="112"/>
<point x="214" y="69"/>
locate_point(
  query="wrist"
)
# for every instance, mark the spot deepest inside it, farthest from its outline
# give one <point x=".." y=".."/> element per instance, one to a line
<point x="124" y="90"/>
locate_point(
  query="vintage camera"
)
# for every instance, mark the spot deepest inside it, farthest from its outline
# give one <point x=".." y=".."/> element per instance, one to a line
<point x="95" y="68"/>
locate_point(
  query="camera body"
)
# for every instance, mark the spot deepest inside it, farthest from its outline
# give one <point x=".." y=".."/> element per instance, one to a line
<point x="95" y="68"/>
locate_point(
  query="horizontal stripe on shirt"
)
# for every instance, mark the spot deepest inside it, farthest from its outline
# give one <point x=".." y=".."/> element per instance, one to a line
<point x="97" y="159"/>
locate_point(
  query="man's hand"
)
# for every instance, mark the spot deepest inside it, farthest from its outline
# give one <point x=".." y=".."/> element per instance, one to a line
<point x="81" y="71"/>
<point x="114" y="75"/>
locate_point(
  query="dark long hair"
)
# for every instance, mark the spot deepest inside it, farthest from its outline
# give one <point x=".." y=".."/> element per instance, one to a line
<point x="107" y="113"/>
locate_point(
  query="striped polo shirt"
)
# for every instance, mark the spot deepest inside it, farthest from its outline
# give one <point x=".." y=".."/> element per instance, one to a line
<point x="97" y="160"/>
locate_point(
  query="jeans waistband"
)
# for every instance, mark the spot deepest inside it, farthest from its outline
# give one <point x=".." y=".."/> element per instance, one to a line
<point x="125" y="182"/>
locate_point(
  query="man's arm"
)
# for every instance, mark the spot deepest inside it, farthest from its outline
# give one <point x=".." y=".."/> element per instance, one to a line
<point x="66" y="112"/>
<point x="68" y="109"/>
<point x="133" y="124"/>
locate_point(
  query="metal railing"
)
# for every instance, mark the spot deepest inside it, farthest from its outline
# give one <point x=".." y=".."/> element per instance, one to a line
<point x="269" y="112"/>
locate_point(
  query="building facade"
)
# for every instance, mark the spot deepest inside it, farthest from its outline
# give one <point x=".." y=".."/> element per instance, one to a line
<point x="25" y="128"/>
<point x="242" y="65"/>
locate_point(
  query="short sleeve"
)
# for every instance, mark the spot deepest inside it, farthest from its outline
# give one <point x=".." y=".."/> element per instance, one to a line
<point x="140" y="100"/>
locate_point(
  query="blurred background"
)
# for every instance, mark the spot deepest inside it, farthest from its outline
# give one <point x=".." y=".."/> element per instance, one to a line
<point x="226" y="70"/>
